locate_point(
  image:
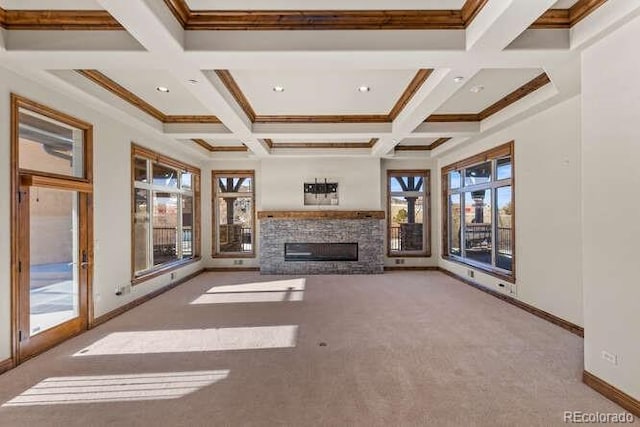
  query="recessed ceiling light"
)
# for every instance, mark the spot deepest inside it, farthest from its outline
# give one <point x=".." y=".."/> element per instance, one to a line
<point x="364" y="89"/>
<point x="162" y="89"/>
<point x="477" y="89"/>
<point x="278" y="89"/>
<point x="458" y="79"/>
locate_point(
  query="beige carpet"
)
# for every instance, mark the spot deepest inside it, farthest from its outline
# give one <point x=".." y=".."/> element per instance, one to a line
<point x="403" y="348"/>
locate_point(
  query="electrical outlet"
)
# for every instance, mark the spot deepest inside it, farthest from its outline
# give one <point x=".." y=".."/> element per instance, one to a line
<point x="238" y="262"/>
<point x="471" y="273"/>
<point x="508" y="288"/>
<point x="397" y="261"/>
<point x="173" y="276"/>
<point x="610" y="357"/>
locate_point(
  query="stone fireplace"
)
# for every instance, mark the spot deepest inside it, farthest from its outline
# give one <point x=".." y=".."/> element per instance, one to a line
<point x="321" y="242"/>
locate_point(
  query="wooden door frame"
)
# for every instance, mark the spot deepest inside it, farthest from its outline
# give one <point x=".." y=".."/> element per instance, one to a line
<point x="83" y="185"/>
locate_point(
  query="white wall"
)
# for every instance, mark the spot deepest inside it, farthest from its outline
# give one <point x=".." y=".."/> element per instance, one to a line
<point x="112" y="194"/>
<point x="611" y="206"/>
<point x="548" y="218"/>
<point x="359" y="182"/>
<point x="413" y="163"/>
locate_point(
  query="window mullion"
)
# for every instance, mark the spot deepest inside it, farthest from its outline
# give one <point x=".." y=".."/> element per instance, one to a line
<point x="180" y="230"/>
<point x="463" y="225"/>
<point x="150" y="206"/>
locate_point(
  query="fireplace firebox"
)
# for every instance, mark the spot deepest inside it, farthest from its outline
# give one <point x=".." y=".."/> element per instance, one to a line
<point x="321" y="252"/>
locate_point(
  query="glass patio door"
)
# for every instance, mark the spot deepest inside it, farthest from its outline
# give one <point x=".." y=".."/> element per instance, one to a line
<point x="53" y="268"/>
<point x="51" y="226"/>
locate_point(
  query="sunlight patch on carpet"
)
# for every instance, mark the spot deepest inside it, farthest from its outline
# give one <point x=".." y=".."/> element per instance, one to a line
<point x="193" y="340"/>
<point x="275" y="291"/>
<point x="116" y="388"/>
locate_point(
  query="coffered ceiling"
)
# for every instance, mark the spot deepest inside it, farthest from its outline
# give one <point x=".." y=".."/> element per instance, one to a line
<point x="487" y="87"/>
<point x="322" y="92"/>
<point x="358" y="77"/>
<point x="145" y="84"/>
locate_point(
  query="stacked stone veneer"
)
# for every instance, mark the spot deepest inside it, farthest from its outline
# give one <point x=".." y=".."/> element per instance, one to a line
<point x="368" y="233"/>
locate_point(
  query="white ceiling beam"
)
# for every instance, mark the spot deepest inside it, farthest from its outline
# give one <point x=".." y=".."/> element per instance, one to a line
<point x="502" y="21"/>
<point x="71" y="41"/>
<point x="446" y="130"/>
<point x="325" y="40"/>
<point x="196" y="130"/>
<point x="151" y="23"/>
<point x="87" y="60"/>
<point x="370" y="59"/>
<point x="438" y="88"/>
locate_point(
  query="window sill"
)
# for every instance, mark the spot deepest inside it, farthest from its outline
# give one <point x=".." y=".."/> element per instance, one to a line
<point x="234" y="255"/>
<point x="164" y="269"/>
<point x="426" y="254"/>
<point x="511" y="278"/>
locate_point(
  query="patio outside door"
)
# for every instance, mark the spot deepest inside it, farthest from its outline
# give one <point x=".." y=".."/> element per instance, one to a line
<point x="51" y="230"/>
<point x="53" y="267"/>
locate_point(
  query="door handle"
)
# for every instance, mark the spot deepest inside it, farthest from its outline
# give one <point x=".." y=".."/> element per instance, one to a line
<point x="85" y="260"/>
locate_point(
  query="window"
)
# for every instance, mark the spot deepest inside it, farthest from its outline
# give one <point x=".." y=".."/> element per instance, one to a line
<point x="233" y="213"/>
<point x="50" y="146"/>
<point x="408" y="213"/>
<point x="166" y="223"/>
<point x="478" y="211"/>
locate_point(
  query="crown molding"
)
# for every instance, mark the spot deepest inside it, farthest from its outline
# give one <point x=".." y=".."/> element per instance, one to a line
<point x="409" y="92"/>
<point x="435" y="144"/>
<point x="229" y="82"/>
<point x="320" y="145"/>
<point x="94" y="20"/>
<point x="524" y="90"/>
<point x="453" y="117"/>
<point x="218" y="148"/>
<point x="567" y="18"/>
<point x="327" y="118"/>
<point x="252" y="20"/>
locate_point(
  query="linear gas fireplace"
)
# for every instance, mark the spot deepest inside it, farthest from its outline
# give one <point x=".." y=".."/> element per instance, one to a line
<point x="321" y="252"/>
<point x="321" y="242"/>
